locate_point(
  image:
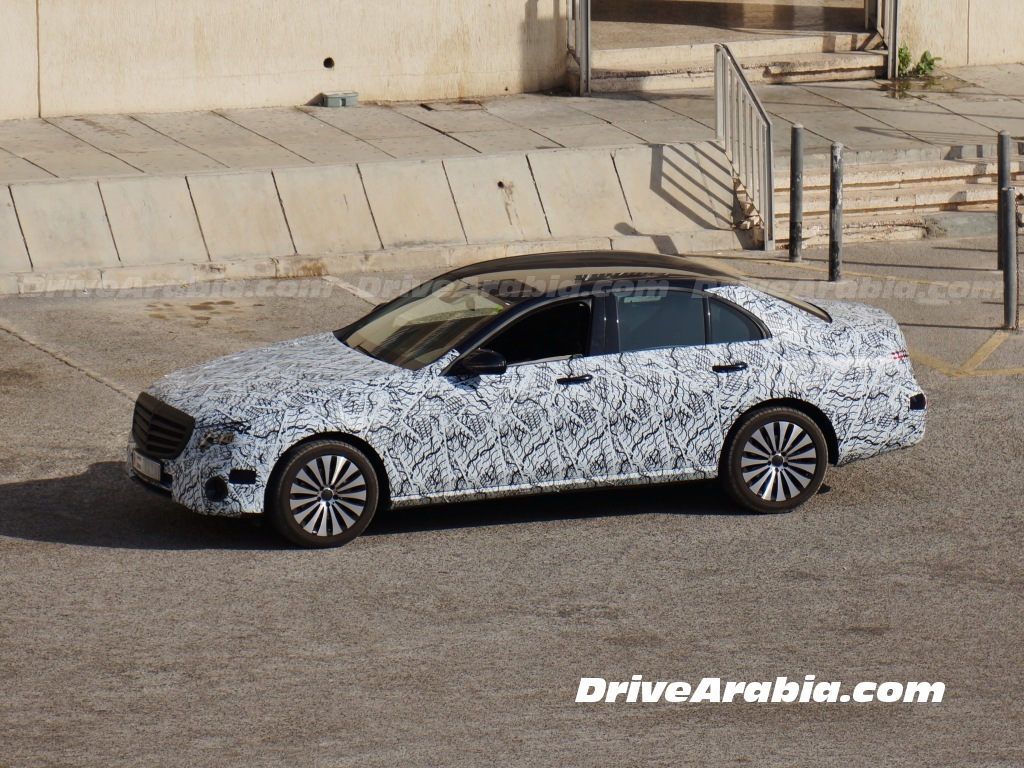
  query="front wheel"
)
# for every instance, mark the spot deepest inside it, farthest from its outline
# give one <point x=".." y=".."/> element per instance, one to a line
<point x="775" y="461"/>
<point x="324" y="495"/>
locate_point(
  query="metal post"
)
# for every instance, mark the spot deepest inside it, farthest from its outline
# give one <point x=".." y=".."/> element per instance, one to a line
<point x="583" y="47"/>
<point x="796" y="194"/>
<point x="1008" y="257"/>
<point x="835" y="216"/>
<point x="1004" y="182"/>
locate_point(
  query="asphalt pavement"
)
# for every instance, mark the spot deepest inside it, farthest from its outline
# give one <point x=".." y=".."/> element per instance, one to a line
<point x="136" y="633"/>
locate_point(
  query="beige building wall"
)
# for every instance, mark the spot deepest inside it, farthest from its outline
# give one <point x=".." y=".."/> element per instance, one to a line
<point x="964" y="32"/>
<point x="19" y="93"/>
<point x="106" y="56"/>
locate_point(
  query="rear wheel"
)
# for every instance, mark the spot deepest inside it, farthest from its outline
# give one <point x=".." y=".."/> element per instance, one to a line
<point x="324" y="495"/>
<point x="775" y="461"/>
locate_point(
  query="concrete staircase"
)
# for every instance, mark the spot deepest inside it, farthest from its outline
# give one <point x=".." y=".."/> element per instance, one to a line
<point x="832" y="56"/>
<point x="889" y="201"/>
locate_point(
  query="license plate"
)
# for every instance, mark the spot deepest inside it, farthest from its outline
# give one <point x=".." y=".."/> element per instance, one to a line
<point x="146" y="467"/>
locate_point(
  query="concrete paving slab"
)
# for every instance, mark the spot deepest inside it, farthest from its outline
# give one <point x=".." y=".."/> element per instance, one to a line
<point x="600" y="135"/>
<point x="136" y="144"/>
<point x="217" y="137"/>
<point x="515" y="139"/>
<point x="791" y="96"/>
<point x="454" y="120"/>
<point x="412" y="203"/>
<point x="496" y="199"/>
<point x="240" y="215"/>
<point x="1005" y="79"/>
<point x="668" y="189"/>
<point x="434" y="145"/>
<point x="667" y="131"/>
<point x="581" y="194"/>
<point x="536" y="111"/>
<point x="65" y="226"/>
<point x="369" y="121"/>
<point x="327" y="210"/>
<point x="696" y="104"/>
<point x="855" y="130"/>
<point x="58" y="152"/>
<point x="864" y="94"/>
<point x="615" y="107"/>
<point x="14" y="169"/>
<point x="933" y="125"/>
<point x="153" y="220"/>
<point x="301" y="133"/>
<point x="13" y="256"/>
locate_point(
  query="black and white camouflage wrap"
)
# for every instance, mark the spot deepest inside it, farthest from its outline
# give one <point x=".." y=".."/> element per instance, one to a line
<point x="651" y="416"/>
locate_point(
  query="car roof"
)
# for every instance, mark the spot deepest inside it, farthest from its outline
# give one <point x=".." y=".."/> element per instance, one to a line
<point x="596" y="262"/>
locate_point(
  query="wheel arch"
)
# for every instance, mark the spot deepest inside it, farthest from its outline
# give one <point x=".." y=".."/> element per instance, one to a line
<point x="812" y="411"/>
<point x="357" y="442"/>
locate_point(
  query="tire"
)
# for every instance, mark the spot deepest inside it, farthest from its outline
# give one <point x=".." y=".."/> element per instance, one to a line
<point x="775" y="460"/>
<point x="324" y="494"/>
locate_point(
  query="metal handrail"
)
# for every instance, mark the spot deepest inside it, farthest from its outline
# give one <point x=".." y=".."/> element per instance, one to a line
<point x="577" y="41"/>
<point x="745" y="130"/>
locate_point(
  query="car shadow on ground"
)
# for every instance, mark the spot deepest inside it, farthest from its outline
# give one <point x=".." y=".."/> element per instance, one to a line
<point x="103" y="508"/>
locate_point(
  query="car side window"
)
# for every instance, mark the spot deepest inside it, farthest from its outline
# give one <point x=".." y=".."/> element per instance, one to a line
<point x="655" y="319"/>
<point x="561" y="330"/>
<point x="729" y="325"/>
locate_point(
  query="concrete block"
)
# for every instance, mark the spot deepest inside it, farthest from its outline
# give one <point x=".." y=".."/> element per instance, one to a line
<point x="243" y="269"/>
<point x="241" y="215"/>
<point x="496" y="198"/>
<point x="960" y="224"/>
<point x="153" y="220"/>
<point x="13" y="256"/>
<point x="438" y="259"/>
<point x="65" y="226"/>
<point x="60" y="282"/>
<point x="327" y="210"/>
<point x="581" y="193"/>
<point x="555" y="246"/>
<point x="676" y="187"/>
<point x="8" y="285"/>
<point x="301" y="266"/>
<point x="462" y="255"/>
<point x="144" y="276"/>
<point x="411" y="203"/>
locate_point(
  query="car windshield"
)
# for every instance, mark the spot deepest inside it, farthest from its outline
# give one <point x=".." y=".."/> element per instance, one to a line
<point x="418" y="328"/>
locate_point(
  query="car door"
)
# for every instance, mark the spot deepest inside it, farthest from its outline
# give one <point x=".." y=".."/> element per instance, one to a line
<point x="506" y="430"/>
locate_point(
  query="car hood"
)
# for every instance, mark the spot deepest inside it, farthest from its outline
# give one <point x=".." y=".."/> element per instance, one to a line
<point x="285" y="375"/>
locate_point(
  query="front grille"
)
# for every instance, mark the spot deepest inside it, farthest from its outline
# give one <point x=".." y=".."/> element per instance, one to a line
<point x="160" y="430"/>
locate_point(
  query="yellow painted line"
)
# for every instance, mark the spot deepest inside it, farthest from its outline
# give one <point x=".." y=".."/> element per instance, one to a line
<point x="934" y="363"/>
<point x="985" y="350"/>
<point x="998" y="372"/>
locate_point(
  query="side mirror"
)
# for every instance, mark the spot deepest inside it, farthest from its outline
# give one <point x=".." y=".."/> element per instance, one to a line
<point x="483" y="362"/>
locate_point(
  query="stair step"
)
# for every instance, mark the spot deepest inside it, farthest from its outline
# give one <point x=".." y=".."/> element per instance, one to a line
<point x="926" y="197"/>
<point x="804" y="67"/>
<point x="888" y="176"/>
<point x="702" y="56"/>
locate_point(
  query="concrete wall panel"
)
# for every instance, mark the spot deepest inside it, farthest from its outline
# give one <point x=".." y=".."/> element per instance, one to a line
<point x="106" y="56"/>
<point x="327" y="210"/>
<point x="580" y="192"/>
<point x="18" y="60"/>
<point x="496" y="198"/>
<point x="65" y="225"/>
<point x="939" y="26"/>
<point x="13" y="256"/>
<point x="675" y="188"/>
<point x="153" y="220"/>
<point x="240" y="215"/>
<point x="412" y="203"/>
<point x="996" y="32"/>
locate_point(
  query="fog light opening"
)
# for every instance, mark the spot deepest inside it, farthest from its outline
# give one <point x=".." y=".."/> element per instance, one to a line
<point x="216" y="489"/>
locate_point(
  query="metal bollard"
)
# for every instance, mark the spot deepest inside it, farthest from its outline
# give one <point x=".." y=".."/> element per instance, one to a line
<point x="835" y="216"/>
<point x="1004" y="182"/>
<point x="796" y="194"/>
<point x="1008" y="257"/>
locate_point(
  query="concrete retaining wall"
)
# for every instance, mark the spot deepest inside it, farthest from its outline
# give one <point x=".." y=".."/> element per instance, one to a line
<point x="156" y="230"/>
<point x="68" y="57"/>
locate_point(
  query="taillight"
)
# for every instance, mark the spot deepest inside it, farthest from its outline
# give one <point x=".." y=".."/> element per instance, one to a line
<point x="901" y="355"/>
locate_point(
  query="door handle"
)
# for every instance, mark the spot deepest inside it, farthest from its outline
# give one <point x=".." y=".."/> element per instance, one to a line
<point x="730" y="368"/>
<point x="575" y="379"/>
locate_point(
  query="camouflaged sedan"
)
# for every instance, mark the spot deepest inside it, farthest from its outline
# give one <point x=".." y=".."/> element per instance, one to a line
<point x="533" y="374"/>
